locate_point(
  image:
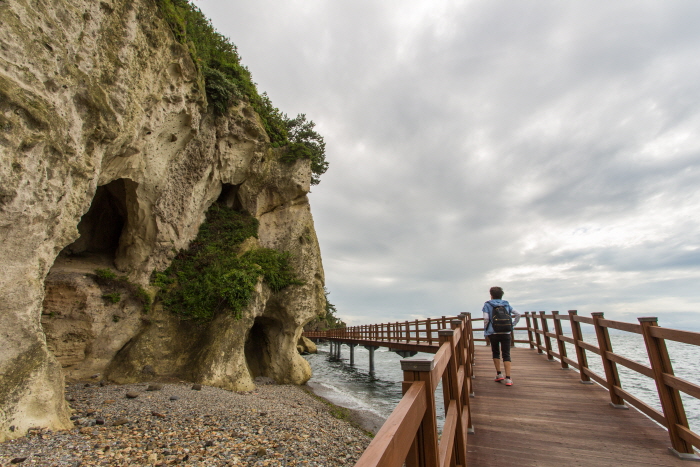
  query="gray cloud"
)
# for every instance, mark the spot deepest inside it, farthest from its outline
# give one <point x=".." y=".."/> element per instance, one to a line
<point x="550" y="147"/>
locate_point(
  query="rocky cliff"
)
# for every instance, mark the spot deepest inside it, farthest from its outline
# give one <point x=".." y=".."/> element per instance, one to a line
<point x="110" y="160"/>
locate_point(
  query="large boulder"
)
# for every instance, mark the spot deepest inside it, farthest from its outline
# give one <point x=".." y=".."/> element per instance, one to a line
<point x="306" y="345"/>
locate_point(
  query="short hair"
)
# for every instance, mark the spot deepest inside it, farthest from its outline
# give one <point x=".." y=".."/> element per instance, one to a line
<point x="496" y="292"/>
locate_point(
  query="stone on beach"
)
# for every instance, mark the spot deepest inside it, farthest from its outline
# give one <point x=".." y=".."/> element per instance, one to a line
<point x="274" y="425"/>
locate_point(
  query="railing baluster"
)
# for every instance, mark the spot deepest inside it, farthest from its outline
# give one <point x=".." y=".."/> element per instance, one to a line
<point x="610" y="367"/>
<point x="547" y="339"/>
<point x="529" y="330"/>
<point x="538" y="337"/>
<point x="560" y="343"/>
<point x="670" y="398"/>
<point x="580" y="351"/>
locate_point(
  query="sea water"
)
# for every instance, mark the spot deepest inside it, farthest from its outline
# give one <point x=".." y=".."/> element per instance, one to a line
<point x="353" y="387"/>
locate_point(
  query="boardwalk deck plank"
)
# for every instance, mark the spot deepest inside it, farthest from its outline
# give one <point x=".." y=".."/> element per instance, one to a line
<point x="548" y="418"/>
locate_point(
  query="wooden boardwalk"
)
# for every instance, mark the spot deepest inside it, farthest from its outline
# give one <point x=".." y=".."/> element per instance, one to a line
<point x="548" y="418"/>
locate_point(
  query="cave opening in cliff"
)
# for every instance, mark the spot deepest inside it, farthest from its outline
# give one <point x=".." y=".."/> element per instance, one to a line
<point x="259" y="344"/>
<point x="101" y="227"/>
<point x="230" y="197"/>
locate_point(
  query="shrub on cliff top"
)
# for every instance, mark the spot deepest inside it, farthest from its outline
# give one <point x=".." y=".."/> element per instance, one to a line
<point x="210" y="276"/>
<point x="227" y="81"/>
<point x="326" y="321"/>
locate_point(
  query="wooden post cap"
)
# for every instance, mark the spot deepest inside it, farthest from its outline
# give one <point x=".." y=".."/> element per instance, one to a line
<point x="446" y="332"/>
<point x="417" y="364"/>
<point x="598" y="314"/>
<point x="648" y="319"/>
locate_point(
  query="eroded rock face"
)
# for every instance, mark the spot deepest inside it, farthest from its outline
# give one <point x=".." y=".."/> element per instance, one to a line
<point x="110" y="159"/>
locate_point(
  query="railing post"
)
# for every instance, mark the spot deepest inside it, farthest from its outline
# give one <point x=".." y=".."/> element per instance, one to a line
<point x="429" y="332"/>
<point x="450" y="392"/>
<point x="580" y="351"/>
<point x="424" y="450"/>
<point x="560" y="343"/>
<point x="605" y="346"/>
<point x="529" y="330"/>
<point x="547" y="339"/>
<point x="465" y="363"/>
<point x="670" y="398"/>
<point x="538" y="337"/>
<point x="471" y="343"/>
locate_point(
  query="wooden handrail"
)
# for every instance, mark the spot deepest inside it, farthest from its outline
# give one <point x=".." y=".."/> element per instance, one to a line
<point x="410" y="434"/>
<point x="668" y="385"/>
<point x="388" y="448"/>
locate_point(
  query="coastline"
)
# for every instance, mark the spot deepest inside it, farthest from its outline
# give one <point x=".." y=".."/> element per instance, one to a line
<point x="365" y="419"/>
<point x="175" y="424"/>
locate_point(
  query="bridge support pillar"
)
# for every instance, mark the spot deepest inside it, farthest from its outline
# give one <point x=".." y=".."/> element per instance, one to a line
<point x="371" y="349"/>
<point x="352" y="354"/>
<point x="337" y="349"/>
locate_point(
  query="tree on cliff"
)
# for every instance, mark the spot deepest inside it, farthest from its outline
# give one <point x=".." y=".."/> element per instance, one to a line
<point x="227" y="81"/>
<point x="307" y="143"/>
<point x="328" y="320"/>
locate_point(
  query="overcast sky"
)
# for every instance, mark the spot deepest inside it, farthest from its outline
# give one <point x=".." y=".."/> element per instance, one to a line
<point x="549" y="147"/>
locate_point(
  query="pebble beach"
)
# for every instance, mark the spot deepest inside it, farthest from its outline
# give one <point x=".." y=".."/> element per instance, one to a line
<point x="181" y="424"/>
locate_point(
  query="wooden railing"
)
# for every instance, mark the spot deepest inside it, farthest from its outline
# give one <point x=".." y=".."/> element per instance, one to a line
<point x="673" y="417"/>
<point x="410" y="433"/>
<point x="480" y="326"/>
<point x="419" y="332"/>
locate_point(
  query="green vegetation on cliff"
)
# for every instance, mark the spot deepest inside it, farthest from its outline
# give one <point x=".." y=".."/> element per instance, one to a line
<point x="211" y="276"/>
<point x="328" y="321"/>
<point x="228" y="81"/>
<point x="113" y="286"/>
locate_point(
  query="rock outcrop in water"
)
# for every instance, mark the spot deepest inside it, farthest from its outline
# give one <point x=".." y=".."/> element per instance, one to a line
<point x="110" y="160"/>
